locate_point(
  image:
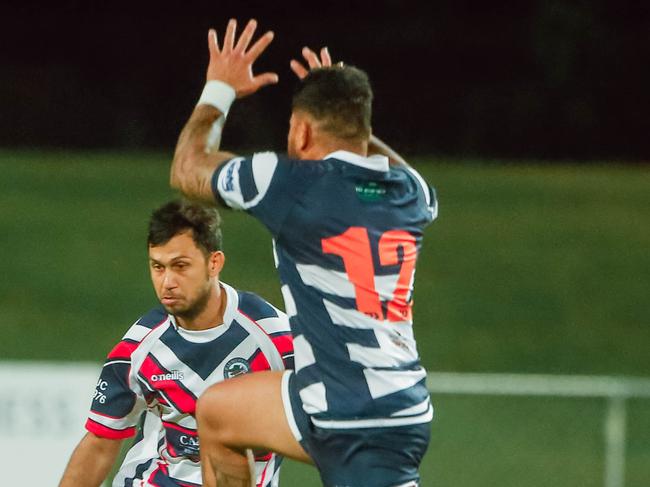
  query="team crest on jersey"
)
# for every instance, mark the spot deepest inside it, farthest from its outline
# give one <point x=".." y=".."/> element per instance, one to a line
<point x="236" y="366"/>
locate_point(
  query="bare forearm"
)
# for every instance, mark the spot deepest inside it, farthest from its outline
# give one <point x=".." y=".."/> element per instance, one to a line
<point x="377" y="146"/>
<point x="197" y="154"/>
<point x="229" y="76"/>
<point x="90" y="462"/>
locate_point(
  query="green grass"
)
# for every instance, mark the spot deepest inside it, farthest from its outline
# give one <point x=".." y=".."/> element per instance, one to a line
<point x="514" y="442"/>
<point x="529" y="268"/>
<point x="537" y="269"/>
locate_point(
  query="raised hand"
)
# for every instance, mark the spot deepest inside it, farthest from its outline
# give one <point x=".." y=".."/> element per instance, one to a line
<point x="313" y="61"/>
<point x="233" y="63"/>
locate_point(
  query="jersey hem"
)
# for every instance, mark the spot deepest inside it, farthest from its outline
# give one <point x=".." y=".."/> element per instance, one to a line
<point x="375" y="422"/>
<point x="288" y="411"/>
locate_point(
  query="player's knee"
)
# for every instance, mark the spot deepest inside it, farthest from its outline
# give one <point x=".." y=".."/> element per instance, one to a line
<point x="209" y="419"/>
<point x="206" y="405"/>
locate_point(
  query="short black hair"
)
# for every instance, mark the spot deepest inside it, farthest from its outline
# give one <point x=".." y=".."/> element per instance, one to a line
<point x="179" y="216"/>
<point x="338" y="96"/>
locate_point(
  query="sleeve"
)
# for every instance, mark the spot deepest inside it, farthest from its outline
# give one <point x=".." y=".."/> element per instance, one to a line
<point x="429" y="193"/>
<point x="265" y="185"/>
<point x="279" y="330"/>
<point x="116" y="406"/>
<point x="275" y="327"/>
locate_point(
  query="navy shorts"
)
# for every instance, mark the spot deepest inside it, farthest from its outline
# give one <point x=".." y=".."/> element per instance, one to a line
<point x="359" y="457"/>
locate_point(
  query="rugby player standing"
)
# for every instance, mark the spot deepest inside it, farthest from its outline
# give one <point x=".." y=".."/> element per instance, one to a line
<point x="346" y="214"/>
<point x="205" y="332"/>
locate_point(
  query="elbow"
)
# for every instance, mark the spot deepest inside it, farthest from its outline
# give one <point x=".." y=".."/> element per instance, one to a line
<point x="177" y="176"/>
<point x="174" y="180"/>
<point x="186" y="178"/>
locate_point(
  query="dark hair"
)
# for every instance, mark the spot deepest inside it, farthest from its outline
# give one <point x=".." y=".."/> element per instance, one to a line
<point x="179" y="216"/>
<point x="340" y="97"/>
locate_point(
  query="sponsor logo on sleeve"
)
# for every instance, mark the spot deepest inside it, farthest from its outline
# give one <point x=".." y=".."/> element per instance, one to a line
<point x="227" y="183"/>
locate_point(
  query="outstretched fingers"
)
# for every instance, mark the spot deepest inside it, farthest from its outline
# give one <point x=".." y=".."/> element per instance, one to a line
<point x="232" y="62"/>
<point x="229" y="38"/>
<point x="265" y="79"/>
<point x="246" y="36"/>
<point x="313" y="61"/>
<point x="311" y="58"/>
<point x="325" y="57"/>
<point x="298" y="69"/>
<point x="213" y="43"/>
<point x="260" y="46"/>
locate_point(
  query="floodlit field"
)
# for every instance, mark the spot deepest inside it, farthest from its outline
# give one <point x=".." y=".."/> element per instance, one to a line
<point x="516" y="442"/>
<point x="529" y="268"/>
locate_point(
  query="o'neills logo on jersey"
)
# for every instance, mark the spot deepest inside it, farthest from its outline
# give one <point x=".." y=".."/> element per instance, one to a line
<point x="173" y="375"/>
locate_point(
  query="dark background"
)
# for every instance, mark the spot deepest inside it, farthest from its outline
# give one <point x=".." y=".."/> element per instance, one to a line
<point x="540" y="79"/>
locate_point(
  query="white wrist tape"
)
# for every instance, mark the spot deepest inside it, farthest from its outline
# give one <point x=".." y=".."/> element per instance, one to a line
<point x="219" y="95"/>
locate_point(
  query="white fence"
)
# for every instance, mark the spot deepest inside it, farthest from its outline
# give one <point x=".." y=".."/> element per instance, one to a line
<point x="615" y="389"/>
<point x="43" y="407"/>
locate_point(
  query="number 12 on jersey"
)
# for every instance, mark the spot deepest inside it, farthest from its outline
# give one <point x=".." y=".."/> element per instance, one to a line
<point x="353" y="246"/>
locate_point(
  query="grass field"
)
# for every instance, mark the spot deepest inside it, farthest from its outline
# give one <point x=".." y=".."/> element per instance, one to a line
<point x="517" y="442"/>
<point x="529" y="268"/>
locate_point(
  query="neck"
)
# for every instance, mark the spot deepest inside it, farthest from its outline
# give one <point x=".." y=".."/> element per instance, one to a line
<point x="210" y="316"/>
<point x="327" y="146"/>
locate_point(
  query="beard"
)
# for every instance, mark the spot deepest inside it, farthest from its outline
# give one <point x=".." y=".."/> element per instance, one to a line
<point x="193" y="309"/>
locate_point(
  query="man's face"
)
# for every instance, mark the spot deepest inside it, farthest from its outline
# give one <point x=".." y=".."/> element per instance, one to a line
<point x="182" y="275"/>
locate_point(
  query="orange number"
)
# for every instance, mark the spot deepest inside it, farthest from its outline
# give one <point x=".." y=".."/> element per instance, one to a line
<point x="399" y="309"/>
<point x="353" y="246"/>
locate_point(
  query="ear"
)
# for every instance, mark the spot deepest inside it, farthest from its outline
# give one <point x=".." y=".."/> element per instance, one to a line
<point x="305" y="134"/>
<point x="215" y="263"/>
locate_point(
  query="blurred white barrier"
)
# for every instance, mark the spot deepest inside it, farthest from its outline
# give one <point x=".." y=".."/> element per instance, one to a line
<point x="615" y="389"/>
<point x="43" y="408"/>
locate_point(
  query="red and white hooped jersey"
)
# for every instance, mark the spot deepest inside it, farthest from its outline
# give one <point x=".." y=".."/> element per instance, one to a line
<point x="155" y="374"/>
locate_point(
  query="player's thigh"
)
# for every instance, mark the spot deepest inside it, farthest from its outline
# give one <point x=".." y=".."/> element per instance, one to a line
<point x="248" y="411"/>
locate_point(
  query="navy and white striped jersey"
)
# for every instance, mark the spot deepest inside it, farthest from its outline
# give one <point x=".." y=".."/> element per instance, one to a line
<point x="158" y="370"/>
<point x="347" y="231"/>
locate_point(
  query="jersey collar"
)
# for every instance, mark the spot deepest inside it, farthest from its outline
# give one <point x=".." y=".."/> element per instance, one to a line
<point x="375" y="162"/>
